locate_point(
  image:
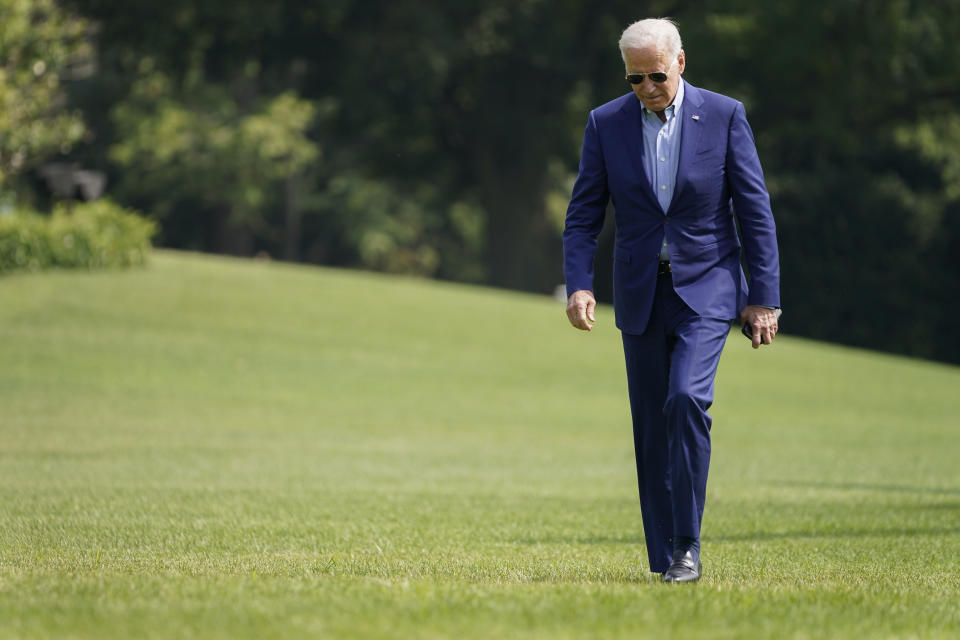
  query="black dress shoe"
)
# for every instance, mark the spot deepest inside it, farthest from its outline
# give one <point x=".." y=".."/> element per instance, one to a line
<point x="683" y="569"/>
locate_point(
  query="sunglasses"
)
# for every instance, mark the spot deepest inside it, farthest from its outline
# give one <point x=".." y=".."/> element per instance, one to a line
<point x="637" y="78"/>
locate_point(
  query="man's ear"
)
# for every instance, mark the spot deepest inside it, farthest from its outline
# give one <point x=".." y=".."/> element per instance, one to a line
<point x="682" y="61"/>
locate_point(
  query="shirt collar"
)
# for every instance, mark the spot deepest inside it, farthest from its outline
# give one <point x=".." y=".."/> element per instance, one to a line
<point x="674" y="107"/>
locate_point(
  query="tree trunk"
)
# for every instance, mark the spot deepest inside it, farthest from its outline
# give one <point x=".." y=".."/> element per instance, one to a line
<point x="523" y="248"/>
<point x="291" y="230"/>
<point x="226" y="235"/>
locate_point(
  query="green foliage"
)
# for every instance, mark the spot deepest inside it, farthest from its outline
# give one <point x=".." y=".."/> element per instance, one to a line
<point x="936" y="141"/>
<point x="39" y="44"/>
<point x="208" y="147"/>
<point x="449" y="134"/>
<point x="215" y="448"/>
<point x="90" y="235"/>
<point x="388" y="228"/>
<point x="853" y="108"/>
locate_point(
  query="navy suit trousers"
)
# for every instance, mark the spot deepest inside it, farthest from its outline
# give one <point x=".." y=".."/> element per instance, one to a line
<point x="670" y="371"/>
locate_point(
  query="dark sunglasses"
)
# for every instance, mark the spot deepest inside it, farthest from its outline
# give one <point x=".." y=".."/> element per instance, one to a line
<point x="637" y="78"/>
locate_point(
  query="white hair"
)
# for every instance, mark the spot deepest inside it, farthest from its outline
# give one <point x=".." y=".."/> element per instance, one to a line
<point x="661" y="33"/>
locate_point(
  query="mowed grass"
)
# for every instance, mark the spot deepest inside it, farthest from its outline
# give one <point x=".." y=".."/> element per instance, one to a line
<point x="217" y="448"/>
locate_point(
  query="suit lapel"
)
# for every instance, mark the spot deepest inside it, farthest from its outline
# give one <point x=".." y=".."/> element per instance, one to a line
<point x="694" y="119"/>
<point x="633" y="126"/>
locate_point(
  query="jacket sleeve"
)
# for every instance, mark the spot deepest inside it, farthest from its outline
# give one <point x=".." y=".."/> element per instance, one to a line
<point x="585" y="214"/>
<point x="751" y="203"/>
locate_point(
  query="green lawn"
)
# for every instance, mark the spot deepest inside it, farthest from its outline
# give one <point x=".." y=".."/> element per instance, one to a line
<point x="216" y="448"/>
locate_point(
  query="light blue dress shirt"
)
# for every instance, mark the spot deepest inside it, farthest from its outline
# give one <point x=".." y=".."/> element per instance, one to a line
<point x="661" y="154"/>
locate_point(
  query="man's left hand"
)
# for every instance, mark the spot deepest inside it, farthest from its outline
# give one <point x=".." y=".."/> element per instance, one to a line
<point x="763" y="321"/>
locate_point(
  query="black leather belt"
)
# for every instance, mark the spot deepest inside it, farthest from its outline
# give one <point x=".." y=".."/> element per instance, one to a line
<point x="663" y="267"/>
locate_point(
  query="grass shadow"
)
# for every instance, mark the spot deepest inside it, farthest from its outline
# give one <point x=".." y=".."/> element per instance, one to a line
<point x="834" y="534"/>
<point x="866" y="486"/>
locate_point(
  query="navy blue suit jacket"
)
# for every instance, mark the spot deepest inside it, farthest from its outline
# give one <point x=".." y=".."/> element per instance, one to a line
<point x="718" y="167"/>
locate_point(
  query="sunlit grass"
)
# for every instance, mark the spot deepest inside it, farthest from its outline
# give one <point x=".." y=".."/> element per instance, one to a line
<point x="218" y="448"/>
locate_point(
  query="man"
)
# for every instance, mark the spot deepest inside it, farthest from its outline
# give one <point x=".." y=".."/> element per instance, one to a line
<point x="678" y="163"/>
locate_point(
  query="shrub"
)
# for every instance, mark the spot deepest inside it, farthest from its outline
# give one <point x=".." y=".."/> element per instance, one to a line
<point x="92" y="235"/>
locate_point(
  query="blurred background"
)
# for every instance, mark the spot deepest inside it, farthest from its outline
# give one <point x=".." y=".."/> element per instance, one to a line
<point x="442" y="139"/>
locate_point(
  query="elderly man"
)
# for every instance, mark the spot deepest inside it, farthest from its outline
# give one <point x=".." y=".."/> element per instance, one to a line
<point x="679" y="164"/>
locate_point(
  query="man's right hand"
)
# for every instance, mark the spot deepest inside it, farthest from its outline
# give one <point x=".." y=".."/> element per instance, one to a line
<point x="580" y="308"/>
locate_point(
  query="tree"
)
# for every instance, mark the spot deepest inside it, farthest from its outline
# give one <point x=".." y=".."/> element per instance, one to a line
<point x="450" y="132"/>
<point x="40" y="45"/>
<point x="202" y="147"/>
<point x="854" y="108"/>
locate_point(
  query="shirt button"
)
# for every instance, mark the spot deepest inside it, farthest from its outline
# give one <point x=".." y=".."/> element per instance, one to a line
<point x="663" y="159"/>
<point x="663" y="187"/>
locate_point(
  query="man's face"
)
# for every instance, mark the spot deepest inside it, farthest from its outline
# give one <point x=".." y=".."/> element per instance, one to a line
<point x="656" y="96"/>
